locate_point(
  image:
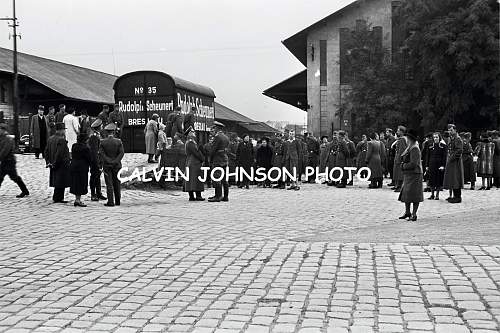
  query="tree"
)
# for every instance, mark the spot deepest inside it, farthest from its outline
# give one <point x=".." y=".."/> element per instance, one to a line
<point x="447" y="69"/>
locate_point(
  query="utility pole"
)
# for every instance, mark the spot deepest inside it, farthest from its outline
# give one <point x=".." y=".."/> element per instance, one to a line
<point x="15" y="91"/>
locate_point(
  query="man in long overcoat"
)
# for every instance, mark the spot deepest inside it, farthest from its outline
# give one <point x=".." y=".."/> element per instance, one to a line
<point x="341" y="158"/>
<point x="292" y="155"/>
<point x="399" y="147"/>
<point x="454" y="170"/>
<point x="218" y="157"/>
<point x="58" y="159"/>
<point x="313" y="154"/>
<point x="39" y="132"/>
<point x="278" y="160"/>
<point x="95" y="161"/>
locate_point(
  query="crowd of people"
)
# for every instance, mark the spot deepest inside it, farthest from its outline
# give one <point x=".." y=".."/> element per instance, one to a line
<point x="74" y="146"/>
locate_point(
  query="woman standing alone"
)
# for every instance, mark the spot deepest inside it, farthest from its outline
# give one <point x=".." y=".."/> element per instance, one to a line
<point x="412" y="191"/>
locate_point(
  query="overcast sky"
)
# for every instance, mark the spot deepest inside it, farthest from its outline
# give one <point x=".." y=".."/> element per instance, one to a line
<point x="232" y="46"/>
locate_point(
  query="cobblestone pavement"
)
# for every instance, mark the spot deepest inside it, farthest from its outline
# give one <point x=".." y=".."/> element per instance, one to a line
<point x="317" y="260"/>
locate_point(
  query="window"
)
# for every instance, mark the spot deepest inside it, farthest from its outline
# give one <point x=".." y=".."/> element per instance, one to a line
<point x="3" y="93"/>
<point x="322" y="63"/>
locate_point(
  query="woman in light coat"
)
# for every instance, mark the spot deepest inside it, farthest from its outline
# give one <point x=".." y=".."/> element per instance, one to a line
<point x="151" y="137"/>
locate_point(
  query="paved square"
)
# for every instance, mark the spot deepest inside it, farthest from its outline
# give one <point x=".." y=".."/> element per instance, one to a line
<point x="318" y="260"/>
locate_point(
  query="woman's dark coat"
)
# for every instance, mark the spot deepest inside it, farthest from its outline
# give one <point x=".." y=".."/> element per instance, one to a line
<point x="80" y="164"/>
<point x="245" y="155"/>
<point x="436" y="158"/>
<point x="264" y="157"/>
<point x="194" y="162"/>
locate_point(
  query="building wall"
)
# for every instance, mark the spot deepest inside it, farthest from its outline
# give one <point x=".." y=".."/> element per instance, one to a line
<point x="375" y="13"/>
<point x="6" y="96"/>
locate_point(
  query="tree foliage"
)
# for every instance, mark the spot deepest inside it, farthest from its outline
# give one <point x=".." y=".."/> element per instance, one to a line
<point x="446" y="70"/>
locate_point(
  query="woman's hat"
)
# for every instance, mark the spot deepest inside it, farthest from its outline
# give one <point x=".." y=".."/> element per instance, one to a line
<point x="412" y="134"/>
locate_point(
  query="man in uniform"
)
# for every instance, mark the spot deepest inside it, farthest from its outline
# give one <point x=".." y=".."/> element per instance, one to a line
<point x="351" y="153"/>
<point x="58" y="160"/>
<point x="112" y="152"/>
<point x="292" y="155"/>
<point x="341" y="158"/>
<point x="96" y="161"/>
<point x="389" y="152"/>
<point x="278" y="160"/>
<point x="218" y="157"/>
<point x="8" y="161"/>
<point x="116" y="117"/>
<point x="313" y="157"/>
<point x="399" y="148"/>
<point x="51" y="117"/>
<point x="39" y="132"/>
<point x="61" y="113"/>
<point x="189" y="119"/>
<point x="104" y="116"/>
<point x="454" y="171"/>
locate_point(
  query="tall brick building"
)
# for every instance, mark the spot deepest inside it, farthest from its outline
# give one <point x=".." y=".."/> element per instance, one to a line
<point x="319" y="89"/>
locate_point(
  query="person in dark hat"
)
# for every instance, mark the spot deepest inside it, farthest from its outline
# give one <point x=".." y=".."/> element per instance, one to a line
<point x="61" y="113"/>
<point x="80" y="164"/>
<point x="57" y="158"/>
<point x="411" y="167"/>
<point x="218" y="158"/>
<point x="94" y="143"/>
<point x="39" y="131"/>
<point x="194" y="161"/>
<point x="112" y="152"/>
<point x="8" y="161"/>
<point x="454" y="172"/>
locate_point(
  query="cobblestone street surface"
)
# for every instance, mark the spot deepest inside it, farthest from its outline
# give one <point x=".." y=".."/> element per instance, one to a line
<point x="317" y="260"/>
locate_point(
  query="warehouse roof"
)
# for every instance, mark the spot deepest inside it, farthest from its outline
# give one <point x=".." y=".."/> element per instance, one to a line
<point x="68" y="80"/>
<point x="224" y="113"/>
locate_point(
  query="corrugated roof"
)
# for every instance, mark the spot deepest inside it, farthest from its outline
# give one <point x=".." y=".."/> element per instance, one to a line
<point x="223" y="113"/>
<point x="259" y="127"/>
<point x="68" y="80"/>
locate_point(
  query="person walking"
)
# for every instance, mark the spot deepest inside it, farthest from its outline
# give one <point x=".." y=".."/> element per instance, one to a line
<point x="219" y="159"/>
<point x="245" y="159"/>
<point x="8" y="161"/>
<point x="112" y="153"/>
<point x="151" y="137"/>
<point x="435" y="164"/>
<point x="79" y="169"/>
<point x="485" y="152"/>
<point x="72" y="125"/>
<point x="94" y="143"/>
<point x="264" y="159"/>
<point x="39" y="132"/>
<point x="374" y="156"/>
<point x="58" y="159"/>
<point x="454" y="170"/>
<point x="194" y="162"/>
<point x="412" y="192"/>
